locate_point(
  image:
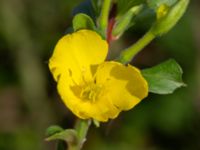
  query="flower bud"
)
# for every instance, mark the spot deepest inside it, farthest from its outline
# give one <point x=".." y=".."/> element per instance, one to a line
<point x="166" y="20"/>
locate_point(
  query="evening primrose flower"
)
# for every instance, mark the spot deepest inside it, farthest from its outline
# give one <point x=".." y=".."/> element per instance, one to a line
<point x="91" y="87"/>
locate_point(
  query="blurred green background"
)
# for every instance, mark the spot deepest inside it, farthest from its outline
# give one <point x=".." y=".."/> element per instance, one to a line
<point x="29" y="102"/>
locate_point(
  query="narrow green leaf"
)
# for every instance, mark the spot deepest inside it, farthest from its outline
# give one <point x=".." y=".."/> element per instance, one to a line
<point x="83" y="21"/>
<point x="53" y="130"/>
<point x="69" y="135"/>
<point x="164" y="78"/>
<point x="124" y="5"/>
<point x="122" y="23"/>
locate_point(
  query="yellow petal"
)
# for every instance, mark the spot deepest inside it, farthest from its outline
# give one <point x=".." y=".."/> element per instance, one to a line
<point x="99" y="110"/>
<point x="76" y="54"/>
<point x="124" y="85"/>
<point x="122" y="88"/>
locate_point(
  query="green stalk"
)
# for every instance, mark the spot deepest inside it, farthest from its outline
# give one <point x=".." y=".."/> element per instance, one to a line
<point x="127" y="55"/>
<point x="81" y="128"/>
<point x="103" y="19"/>
<point x="71" y="147"/>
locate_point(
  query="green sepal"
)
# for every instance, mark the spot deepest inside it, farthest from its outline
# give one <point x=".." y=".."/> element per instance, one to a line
<point x="96" y="123"/>
<point x="164" y="78"/>
<point x="83" y="21"/>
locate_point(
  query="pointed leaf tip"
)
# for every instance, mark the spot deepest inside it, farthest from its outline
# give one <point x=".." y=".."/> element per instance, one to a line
<point x="164" y="78"/>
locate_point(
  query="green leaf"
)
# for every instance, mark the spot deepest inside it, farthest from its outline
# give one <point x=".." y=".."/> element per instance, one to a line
<point x="83" y="21"/>
<point x="145" y="19"/>
<point x="154" y="4"/>
<point x="125" y="21"/>
<point x="164" y="78"/>
<point x="124" y="5"/>
<point x="53" y="130"/>
<point x="69" y="135"/>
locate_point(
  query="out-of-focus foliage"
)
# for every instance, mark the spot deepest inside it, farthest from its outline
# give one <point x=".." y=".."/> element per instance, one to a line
<point x="29" y="102"/>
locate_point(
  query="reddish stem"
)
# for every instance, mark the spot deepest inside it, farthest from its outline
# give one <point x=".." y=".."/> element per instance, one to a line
<point x="111" y="24"/>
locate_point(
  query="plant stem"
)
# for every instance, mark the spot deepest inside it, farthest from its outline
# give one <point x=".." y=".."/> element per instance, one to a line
<point x="103" y="19"/>
<point x="76" y="147"/>
<point x="81" y="127"/>
<point x="127" y="55"/>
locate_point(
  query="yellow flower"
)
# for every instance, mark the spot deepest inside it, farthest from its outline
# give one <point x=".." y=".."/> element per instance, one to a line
<point x="89" y="86"/>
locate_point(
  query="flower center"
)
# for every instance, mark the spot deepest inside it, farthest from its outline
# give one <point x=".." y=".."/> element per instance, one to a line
<point x="91" y="92"/>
